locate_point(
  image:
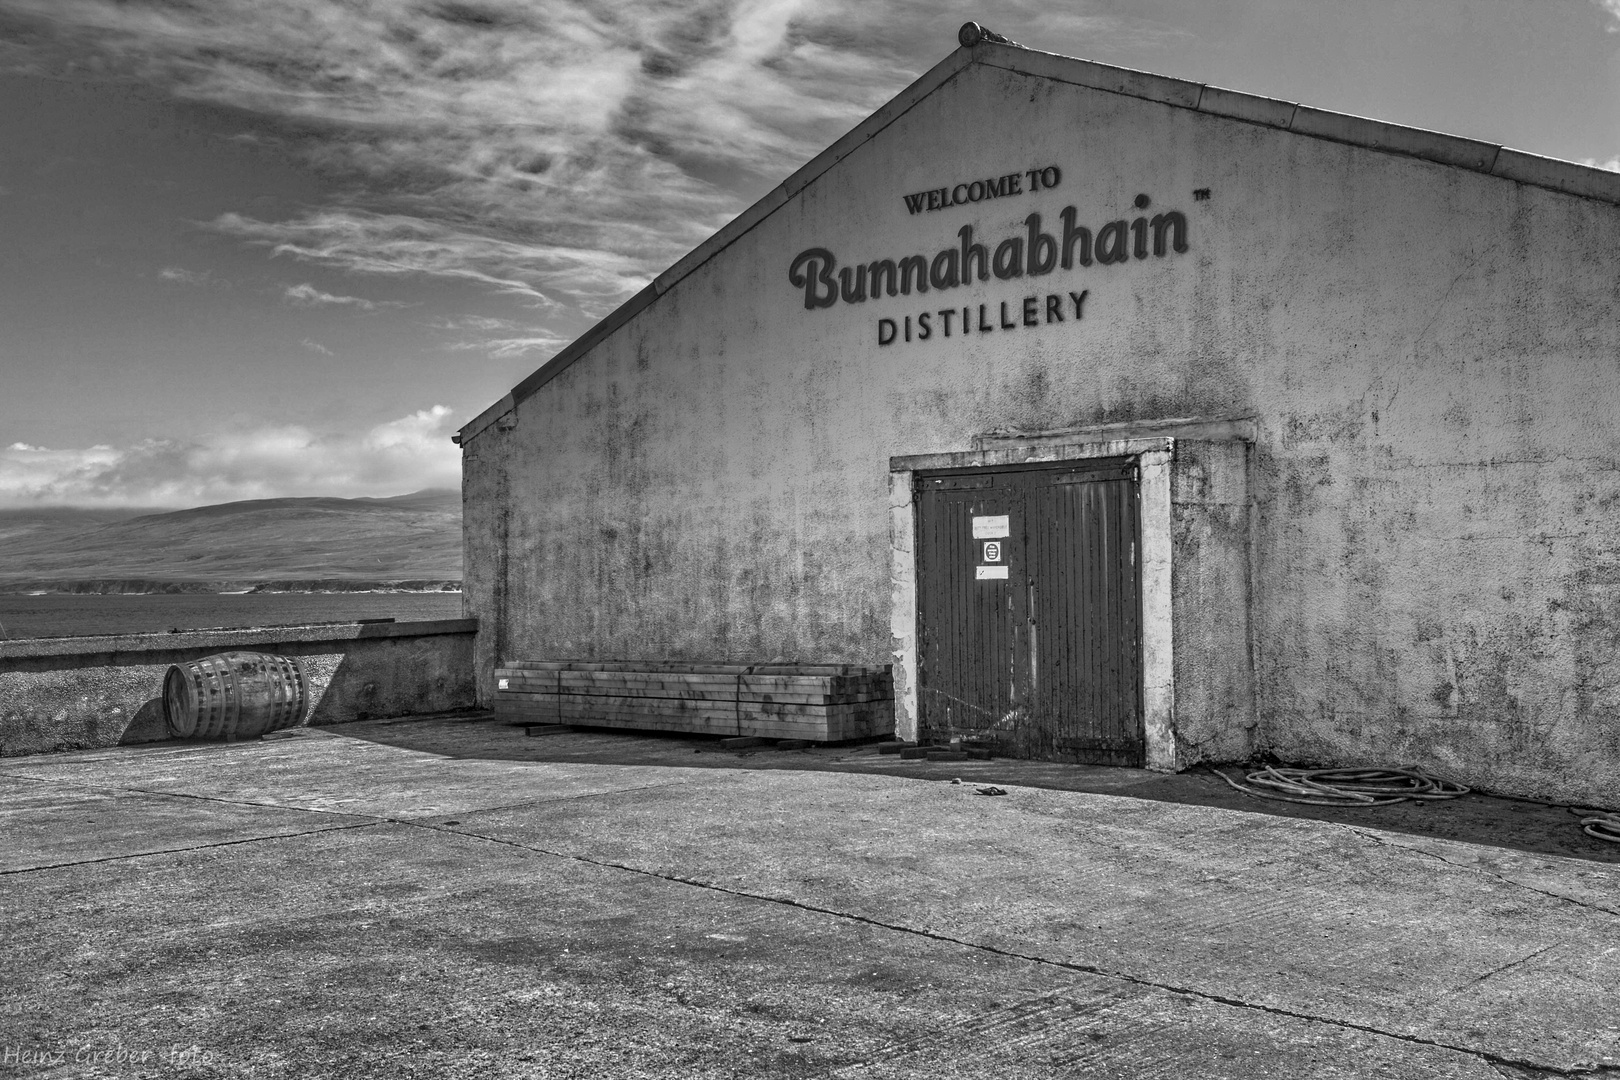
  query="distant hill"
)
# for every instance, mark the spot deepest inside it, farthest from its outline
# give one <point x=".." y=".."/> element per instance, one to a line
<point x="16" y="525"/>
<point x="409" y="541"/>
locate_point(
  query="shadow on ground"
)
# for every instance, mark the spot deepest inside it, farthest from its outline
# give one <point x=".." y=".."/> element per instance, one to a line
<point x="1514" y="824"/>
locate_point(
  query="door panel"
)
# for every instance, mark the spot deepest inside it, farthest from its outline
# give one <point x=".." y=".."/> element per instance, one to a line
<point x="1046" y="663"/>
<point x="1085" y="618"/>
<point x="968" y="633"/>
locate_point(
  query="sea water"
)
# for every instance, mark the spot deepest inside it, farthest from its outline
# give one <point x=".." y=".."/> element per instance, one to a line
<point x="67" y="615"/>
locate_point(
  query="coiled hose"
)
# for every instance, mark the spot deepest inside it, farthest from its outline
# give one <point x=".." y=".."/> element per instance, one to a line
<point x="1345" y="787"/>
<point x="1603" y="824"/>
<point x="1381" y="787"/>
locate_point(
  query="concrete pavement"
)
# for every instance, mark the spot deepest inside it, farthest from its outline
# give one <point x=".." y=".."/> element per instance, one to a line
<point x="448" y="898"/>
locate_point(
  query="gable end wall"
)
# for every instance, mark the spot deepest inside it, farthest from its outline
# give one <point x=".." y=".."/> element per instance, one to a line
<point x="1428" y="354"/>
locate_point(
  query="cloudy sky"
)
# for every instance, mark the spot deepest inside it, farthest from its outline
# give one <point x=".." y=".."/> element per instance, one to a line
<point x="252" y="248"/>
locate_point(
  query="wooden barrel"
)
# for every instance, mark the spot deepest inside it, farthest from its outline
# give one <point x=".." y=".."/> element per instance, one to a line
<point x="234" y="695"/>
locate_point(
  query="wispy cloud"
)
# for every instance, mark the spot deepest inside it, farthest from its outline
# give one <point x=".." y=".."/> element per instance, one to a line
<point x="482" y="323"/>
<point x="557" y="151"/>
<point x="307" y="294"/>
<point x="315" y="346"/>
<point x="182" y="276"/>
<point x="1613" y="9"/>
<point x="511" y="338"/>
<point x="266" y="461"/>
<point x="1613" y="164"/>
<point x="398" y="244"/>
<point x="503" y="348"/>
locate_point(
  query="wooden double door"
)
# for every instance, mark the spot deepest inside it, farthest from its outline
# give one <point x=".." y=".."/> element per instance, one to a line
<point x="1029" y="610"/>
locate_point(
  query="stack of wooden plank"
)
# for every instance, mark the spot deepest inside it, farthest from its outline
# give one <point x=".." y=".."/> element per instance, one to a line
<point x="819" y="702"/>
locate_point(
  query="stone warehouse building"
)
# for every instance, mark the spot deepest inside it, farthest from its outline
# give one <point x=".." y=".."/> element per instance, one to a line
<point x="1130" y="419"/>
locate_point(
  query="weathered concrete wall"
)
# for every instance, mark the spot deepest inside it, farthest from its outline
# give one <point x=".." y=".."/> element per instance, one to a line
<point x="485" y="511"/>
<point x="1210" y="543"/>
<point x="74" y="693"/>
<point x="1430" y="354"/>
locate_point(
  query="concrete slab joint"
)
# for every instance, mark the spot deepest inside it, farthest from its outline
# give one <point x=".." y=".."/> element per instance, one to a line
<point x="1193" y="490"/>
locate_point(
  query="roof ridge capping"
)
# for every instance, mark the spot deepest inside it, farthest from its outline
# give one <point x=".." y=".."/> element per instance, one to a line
<point x="1494" y="159"/>
<point x="982" y="46"/>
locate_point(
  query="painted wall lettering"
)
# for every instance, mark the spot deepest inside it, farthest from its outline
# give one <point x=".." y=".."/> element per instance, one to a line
<point x="973" y="191"/>
<point x="984" y="318"/>
<point x="1034" y="252"/>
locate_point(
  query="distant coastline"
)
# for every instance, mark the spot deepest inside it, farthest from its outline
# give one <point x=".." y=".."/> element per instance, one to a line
<point x="264" y="562"/>
<point x="153" y="587"/>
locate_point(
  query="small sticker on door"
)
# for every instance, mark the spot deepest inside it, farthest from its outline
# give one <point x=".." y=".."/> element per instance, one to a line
<point x="989" y="573"/>
<point x="501" y="685"/>
<point x="989" y="528"/>
<point x="992" y="551"/>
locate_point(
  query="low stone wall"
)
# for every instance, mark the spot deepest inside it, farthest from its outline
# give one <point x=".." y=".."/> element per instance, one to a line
<point x="74" y="693"/>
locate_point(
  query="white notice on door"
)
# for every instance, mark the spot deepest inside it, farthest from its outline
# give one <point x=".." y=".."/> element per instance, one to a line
<point x="989" y="528"/>
<point x="987" y="573"/>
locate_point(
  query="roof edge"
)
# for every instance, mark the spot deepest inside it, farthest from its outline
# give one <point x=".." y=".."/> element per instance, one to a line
<point x="729" y="233"/>
<point x="483" y="420"/>
<point x="1491" y="159"/>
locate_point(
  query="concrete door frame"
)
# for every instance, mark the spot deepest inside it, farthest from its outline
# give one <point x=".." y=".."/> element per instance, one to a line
<point x="1153" y="458"/>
